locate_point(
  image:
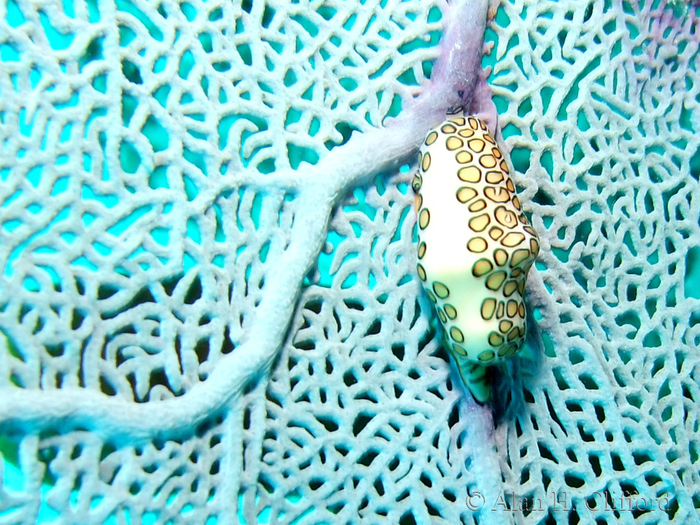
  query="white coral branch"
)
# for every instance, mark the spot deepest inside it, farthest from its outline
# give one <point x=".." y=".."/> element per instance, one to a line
<point x="323" y="184"/>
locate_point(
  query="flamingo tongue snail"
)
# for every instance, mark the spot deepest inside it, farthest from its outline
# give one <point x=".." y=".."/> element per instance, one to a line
<point x="475" y="247"/>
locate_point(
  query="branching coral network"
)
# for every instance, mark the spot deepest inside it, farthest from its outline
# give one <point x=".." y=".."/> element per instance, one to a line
<point x="320" y="189"/>
<point x="160" y="232"/>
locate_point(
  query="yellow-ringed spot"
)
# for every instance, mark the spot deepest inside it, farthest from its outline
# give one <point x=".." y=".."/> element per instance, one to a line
<point x="477" y="205"/>
<point x="480" y="222"/>
<point x="495" y="280"/>
<point x="441" y="290"/>
<point x="505" y="217"/>
<point x="419" y="202"/>
<point x="534" y="246"/>
<point x="487" y="161"/>
<point x="488" y="308"/>
<point x="504" y="326"/>
<point x="519" y="256"/>
<point x="510" y="288"/>
<point x="497" y="194"/>
<point x="482" y="267"/>
<point x="469" y="174"/>
<point x="417" y="181"/>
<point x="476" y="145"/>
<point x="426" y="162"/>
<point x="465" y="194"/>
<point x="464" y="157"/>
<point x="454" y="143"/>
<point x="512" y="239"/>
<point x="495" y="233"/>
<point x="500" y="256"/>
<point x="459" y="349"/>
<point x="487" y="355"/>
<point x="423" y="218"/>
<point x="513" y="334"/>
<point x="494" y="177"/>
<point x="477" y="245"/>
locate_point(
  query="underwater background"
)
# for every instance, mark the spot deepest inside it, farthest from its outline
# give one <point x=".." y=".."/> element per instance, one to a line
<point x="185" y="336"/>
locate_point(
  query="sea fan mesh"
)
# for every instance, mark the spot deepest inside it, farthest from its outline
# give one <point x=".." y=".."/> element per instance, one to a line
<point x="161" y="217"/>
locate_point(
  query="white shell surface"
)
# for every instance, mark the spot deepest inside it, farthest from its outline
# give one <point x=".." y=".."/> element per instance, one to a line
<point x="475" y="245"/>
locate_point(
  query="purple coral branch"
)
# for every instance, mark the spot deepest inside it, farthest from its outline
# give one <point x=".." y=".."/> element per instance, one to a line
<point x="458" y="80"/>
<point x="459" y="69"/>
